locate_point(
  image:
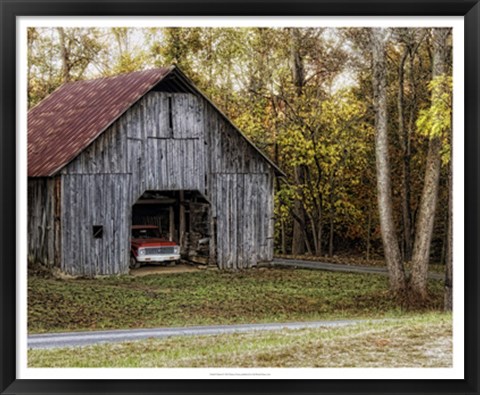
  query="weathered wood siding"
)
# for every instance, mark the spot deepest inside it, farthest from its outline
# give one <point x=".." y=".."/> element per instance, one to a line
<point x="160" y="157"/>
<point x="96" y="200"/>
<point x="96" y="192"/>
<point x="137" y="153"/>
<point x="240" y="185"/>
<point x="195" y="148"/>
<point x="44" y="222"/>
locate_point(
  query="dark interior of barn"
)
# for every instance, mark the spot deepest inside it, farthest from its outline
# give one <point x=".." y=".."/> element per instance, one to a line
<point x="182" y="217"/>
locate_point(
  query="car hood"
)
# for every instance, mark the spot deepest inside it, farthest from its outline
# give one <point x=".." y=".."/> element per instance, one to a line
<point x="153" y="243"/>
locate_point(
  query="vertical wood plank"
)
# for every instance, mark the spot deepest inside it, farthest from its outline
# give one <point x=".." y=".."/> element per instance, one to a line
<point x="171" y="224"/>
<point x="228" y="220"/>
<point x="240" y="201"/>
<point x="220" y="223"/>
<point x="162" y="165"/>
<point x="249" y="219"/>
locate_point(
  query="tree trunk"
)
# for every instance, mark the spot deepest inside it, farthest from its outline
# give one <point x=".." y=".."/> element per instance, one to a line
<point x="313" y="228"/>
<point x="369" y="232"/>
<point x="31" y="38"/>
<point x="389" y="237"/>
<point x="283" y="239"/>
<point x="403" y="137"/>
<point x="319" y="233"/>
<point x="332" y="217"/>
<point x="408" y="233"/>
<point x="330" y="238"/>
<point x="298" y="240"/>
<point x="315" y="213"/>
<point x="448" y="297"/>
<point x="298" y="71"/>
<point x="428" y="200"/>
<point x="64" y="55"/>
<point x="425" y="221"/>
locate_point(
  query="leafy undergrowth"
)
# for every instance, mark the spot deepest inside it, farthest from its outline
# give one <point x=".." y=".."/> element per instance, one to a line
<point x="356" y="261"/>
<point x="208" y="297"/>
<point x="415" y="341"/>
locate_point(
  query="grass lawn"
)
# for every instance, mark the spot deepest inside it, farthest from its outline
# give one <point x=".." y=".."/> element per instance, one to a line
<point x="413" y="341"/>
<point x="208" y="297"/>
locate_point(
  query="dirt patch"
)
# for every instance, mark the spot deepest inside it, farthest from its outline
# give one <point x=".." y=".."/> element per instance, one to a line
<point x="148" y="270"/>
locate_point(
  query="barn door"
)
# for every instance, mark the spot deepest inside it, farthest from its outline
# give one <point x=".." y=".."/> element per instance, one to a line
<point x="244" y="220"/>
<point x="96" y="211"/>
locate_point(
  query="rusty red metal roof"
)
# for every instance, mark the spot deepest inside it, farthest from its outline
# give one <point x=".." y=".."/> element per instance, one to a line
<point x="65" y="123"/>
<point x="73" y="116"/>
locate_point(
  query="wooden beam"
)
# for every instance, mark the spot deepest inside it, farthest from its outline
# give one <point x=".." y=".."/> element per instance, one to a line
<point x="181" y="236"/>
<point x="171" y="223"/>
<point x="155" y="201"/>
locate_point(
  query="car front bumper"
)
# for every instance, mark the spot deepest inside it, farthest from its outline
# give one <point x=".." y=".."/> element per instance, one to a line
<point x="157" y="258"/>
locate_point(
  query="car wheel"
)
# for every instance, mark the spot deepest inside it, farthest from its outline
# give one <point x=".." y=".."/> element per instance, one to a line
<point x="133" y="263"/>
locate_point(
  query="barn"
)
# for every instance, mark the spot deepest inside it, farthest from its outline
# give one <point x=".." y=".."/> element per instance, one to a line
<point x="146" y="147"/>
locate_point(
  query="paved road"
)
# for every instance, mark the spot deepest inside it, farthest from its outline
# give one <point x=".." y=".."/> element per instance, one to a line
<point x="74" y="339"/>
<point x="337" y="267"/>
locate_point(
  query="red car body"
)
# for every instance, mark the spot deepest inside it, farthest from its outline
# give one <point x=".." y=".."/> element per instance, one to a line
<point x="147" y="246"/>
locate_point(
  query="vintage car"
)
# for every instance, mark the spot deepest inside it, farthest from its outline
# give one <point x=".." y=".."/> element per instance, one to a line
<point x="147" y="246"/>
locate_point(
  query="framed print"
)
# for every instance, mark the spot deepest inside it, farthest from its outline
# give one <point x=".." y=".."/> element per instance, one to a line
<point x="206" y="197"/>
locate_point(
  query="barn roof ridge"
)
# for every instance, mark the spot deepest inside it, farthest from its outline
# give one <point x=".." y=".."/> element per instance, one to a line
<point x="47" y="155"/>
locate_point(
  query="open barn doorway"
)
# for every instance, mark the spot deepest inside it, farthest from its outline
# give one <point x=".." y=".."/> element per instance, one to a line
<point x="181" y="226"/>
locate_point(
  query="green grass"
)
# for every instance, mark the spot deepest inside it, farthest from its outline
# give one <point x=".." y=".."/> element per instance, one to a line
<point x="413" y="341"/>
<point x="208" y="297"/>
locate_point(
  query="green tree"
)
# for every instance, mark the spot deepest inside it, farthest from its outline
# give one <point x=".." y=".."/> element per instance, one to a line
<point x="59" y="55"/>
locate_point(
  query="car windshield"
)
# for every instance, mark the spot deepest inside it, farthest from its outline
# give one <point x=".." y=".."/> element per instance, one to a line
<point x="147" y="233"/>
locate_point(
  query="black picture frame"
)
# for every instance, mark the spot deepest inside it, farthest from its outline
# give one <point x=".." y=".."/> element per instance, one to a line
<point x="10" y="9"/>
